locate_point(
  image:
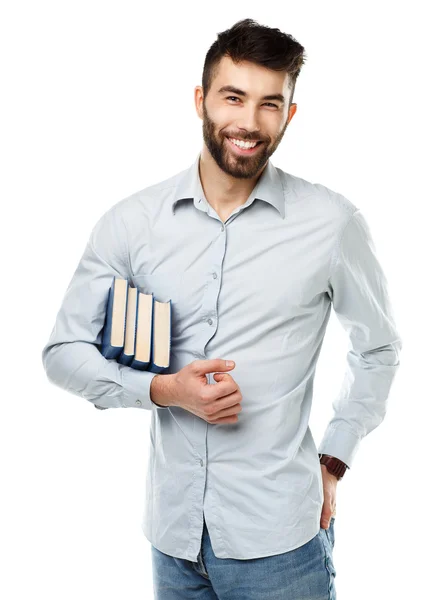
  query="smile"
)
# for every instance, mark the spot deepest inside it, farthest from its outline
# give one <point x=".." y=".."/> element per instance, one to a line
<point x="241" y="147"/>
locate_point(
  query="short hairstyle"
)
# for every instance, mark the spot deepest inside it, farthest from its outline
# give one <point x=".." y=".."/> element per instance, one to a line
<point x="260" y="44"/>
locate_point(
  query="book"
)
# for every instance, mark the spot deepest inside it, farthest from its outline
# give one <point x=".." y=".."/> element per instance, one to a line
<point x="115" y="319"/>
<point x="137" y="328"/>
<point x="161" y="336"/>
<point x="144" y="324"/>
<point x="127" y="355"/>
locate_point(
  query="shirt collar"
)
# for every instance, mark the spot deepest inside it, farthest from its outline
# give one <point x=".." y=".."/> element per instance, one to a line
<point x="269" y="188"/>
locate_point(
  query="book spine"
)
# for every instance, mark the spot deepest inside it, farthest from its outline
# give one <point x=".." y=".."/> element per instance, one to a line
<point x="106" y="349"/>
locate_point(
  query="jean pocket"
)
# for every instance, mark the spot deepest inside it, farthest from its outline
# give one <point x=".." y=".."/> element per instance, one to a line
<point x="330" y="534"/>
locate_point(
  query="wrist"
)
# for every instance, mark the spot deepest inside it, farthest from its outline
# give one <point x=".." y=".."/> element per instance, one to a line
<point x="333" y="465"/>
<point x="161" y="389"/>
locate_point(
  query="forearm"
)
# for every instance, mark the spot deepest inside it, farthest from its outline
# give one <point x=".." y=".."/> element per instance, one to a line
<point x="79" y="368"/>
<point x="362" y="401"/>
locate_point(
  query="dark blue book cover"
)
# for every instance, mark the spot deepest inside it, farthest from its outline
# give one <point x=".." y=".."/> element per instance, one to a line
<point x="127" y="355"/>
<point x="115" y="319"/>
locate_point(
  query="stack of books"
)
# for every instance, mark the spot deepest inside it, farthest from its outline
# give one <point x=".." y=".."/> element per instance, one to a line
<point x="137" y="328"/>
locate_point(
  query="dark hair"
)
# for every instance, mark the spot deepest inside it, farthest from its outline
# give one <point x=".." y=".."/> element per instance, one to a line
<point x="260" y="44"/>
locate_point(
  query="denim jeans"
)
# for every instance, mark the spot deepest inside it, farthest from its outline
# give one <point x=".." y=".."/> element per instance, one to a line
<point x="306" y="573"/>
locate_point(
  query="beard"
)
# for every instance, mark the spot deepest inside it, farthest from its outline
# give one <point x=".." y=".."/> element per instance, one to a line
<point x="235" y="165"/>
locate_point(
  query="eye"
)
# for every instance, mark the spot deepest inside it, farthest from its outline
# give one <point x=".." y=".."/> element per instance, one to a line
<point x="236" y="98"/>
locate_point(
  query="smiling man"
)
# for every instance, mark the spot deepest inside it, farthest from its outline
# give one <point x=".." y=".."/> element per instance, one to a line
<point x="240" y="502"/>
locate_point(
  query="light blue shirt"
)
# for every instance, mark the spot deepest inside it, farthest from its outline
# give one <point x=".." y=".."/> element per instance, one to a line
<point x="256" y="289"/>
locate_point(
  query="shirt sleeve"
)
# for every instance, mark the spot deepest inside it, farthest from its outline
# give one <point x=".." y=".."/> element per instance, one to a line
<point x="71" y="357"/>
<point x="358" y="290"/>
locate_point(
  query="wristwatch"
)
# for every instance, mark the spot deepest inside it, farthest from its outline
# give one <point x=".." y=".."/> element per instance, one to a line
<point x="334" y="465"/>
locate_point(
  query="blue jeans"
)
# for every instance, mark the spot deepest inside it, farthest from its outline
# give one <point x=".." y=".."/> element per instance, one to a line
<point x="306" y="573"/>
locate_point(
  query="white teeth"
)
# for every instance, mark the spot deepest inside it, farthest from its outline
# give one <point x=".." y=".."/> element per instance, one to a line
<point x="242" y="144"/>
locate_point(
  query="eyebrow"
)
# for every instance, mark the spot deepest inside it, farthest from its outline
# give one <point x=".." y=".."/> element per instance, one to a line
<point x="234" y="90"/>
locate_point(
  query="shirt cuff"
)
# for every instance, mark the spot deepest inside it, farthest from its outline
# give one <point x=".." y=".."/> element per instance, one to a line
<point x="340" y="443"/>
<point x="137" y="389"/>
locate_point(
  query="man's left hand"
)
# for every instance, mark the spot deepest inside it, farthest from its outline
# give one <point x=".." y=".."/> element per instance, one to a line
<point x="329" y="492"/>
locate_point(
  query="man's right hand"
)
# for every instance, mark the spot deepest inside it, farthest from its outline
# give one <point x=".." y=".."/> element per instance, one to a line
<point x="215" y="403"/>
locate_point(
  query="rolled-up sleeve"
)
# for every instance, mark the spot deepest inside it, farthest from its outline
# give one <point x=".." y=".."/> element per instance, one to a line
<point x="71" y="357"/>
<point x="358" y="290"/>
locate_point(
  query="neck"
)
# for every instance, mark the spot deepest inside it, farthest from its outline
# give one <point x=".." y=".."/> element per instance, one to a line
<point x="222" y="191"/>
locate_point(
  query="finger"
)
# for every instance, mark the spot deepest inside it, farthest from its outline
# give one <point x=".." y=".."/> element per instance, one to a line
<point x="325" y="522"/>
<point x="222" y="390"/>
<point x="212" y="365"/>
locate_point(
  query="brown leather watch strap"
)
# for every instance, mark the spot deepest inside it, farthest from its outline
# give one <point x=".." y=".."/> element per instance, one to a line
<point x="334" y="465"/>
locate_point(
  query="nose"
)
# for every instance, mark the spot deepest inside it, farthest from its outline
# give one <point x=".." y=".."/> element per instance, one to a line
<point x="248" y="124"/>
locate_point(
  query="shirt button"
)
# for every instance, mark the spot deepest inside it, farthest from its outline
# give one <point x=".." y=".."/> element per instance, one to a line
<point x="201" y="462"/>
<point x="222" y="228"/>
<point x="210" y="321"/>
<point x="214" y="275"/>
<point x="138" y="402"/>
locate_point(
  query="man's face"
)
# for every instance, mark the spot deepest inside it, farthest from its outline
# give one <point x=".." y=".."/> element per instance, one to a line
<point x="229" y="114"/>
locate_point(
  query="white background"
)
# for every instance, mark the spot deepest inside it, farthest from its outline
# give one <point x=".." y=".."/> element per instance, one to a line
<point x="97" y="103"/>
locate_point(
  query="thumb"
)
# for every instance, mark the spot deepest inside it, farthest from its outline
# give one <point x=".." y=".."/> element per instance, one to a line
<point x="219" y="376"/>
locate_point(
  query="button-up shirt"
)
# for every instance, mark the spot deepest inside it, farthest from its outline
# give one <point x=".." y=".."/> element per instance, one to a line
<point x="257" y="289"/>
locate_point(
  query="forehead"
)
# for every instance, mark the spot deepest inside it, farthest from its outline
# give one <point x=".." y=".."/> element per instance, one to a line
<point x="250" y="77"/>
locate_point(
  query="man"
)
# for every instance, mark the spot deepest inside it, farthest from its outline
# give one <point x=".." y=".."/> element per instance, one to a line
<point x="238" y="504"/>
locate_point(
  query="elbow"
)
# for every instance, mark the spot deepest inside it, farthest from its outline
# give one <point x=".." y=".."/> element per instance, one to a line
<point x="65" y="366"/>
<point x="46" y="360"/>
<point x="387" y="355"/>
<point x="72" y="366"/>
<point x="51" y="364"/>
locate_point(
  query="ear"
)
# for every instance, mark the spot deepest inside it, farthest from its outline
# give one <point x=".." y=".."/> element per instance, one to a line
<point x="198" y="98"/>
<point x="291" y="112"/>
